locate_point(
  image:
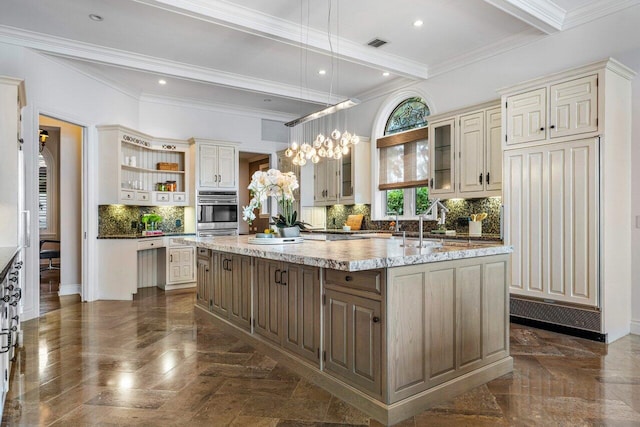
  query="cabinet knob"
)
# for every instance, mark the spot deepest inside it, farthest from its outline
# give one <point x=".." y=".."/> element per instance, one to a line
<point x="348" y="278"/>
<point x="552" y="127"/>
<point x="376" y="319"/>
<point x="541" y="129"/>
<point x="480" y="178"/>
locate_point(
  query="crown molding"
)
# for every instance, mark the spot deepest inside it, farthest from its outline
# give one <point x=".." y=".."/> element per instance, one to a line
<point x="102" y="55"/>
<point x="595" y="10"/>
<point x="216" y="107"/>
<point x="250" y="21"/>
<point x="544" y="15"/>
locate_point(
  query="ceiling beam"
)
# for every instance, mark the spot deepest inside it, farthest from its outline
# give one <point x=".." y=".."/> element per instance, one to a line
<point x="544" y="15"/>
<point x="250" y="21"/>
<point x="102" y="55"/>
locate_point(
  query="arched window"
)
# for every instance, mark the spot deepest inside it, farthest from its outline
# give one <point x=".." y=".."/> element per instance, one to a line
<point x="404" y="166"/>
<point x="409" y="114"/>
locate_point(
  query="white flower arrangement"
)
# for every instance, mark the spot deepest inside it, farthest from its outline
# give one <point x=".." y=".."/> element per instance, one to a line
<point x="273" y="183"/>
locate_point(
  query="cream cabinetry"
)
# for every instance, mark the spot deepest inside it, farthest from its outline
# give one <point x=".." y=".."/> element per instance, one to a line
<point x="180" y="265"/>
<point x="466" y="153"/>
<point x="562" y="108"/>
<point x="326" y="179"/>
<point x="346" y="180"/>
<point x="130" y="172"/>
<point x="553" y="219"/>
<point x="566" y="200"/>
<point x="216" y="165"/>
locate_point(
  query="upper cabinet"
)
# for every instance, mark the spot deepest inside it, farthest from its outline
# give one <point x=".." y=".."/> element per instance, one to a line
<point x="149" y="171"/>
<point x="563" y="108"/>
<point x="216" y="165"/>
<point x="466" y="153"/>
<point x="346" y="180"/>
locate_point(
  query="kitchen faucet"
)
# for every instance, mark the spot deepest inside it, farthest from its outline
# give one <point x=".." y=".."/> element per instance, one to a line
<point x="432" y="214"/>
<point x="397" y="226"/>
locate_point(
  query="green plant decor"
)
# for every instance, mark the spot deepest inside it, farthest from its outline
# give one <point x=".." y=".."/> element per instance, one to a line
<point x="150" y="221"/>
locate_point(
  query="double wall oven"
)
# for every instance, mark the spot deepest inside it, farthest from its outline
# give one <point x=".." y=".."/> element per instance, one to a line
<point x="217" y="213"/>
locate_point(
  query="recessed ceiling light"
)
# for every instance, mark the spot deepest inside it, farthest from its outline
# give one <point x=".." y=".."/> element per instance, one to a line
<point x="385" y="74"/>
<point x="95" y="17"/>
<point x="322" y="72"/>
<point x="418" y="23"/>
<point x="162" y="82"/>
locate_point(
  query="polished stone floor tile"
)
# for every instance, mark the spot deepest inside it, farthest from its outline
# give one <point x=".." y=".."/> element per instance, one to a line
<point x="153" y="362"/>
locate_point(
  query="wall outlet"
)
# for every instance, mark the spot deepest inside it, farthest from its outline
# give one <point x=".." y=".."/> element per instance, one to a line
<point x="134" y="225"/>
<point x="178" y="223"/>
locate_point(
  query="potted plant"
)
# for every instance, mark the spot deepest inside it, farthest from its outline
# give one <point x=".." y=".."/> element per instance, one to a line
<point x="150" y="221"/>
<point x="274" y="183"/>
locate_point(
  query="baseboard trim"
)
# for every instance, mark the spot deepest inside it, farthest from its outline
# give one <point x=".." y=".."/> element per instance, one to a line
<point x="567" y="330"/>
<point x="69" y="290"/>
<point x="635" y="327"/>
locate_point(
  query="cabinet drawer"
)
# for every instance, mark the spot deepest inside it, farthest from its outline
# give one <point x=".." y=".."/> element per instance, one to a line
<point x="370" y="281"/>
<point x="162" y="197"/>
<point x="127" y="195"/>
<point x="179" y="197"/>
<point x="150" y="244"/>
<point x="204" y="252"/>
<point x="143" y="196"/>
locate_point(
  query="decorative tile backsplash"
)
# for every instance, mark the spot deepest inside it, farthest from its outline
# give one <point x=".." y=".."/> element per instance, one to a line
<point x="458" y="208"/>
<point x="116" y="220"/>
<point x="337" y="215"/>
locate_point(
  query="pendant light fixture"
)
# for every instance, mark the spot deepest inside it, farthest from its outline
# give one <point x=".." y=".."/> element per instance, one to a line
<point x="327" y="143"/>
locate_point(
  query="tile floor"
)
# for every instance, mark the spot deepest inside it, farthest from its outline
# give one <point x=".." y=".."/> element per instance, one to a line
<point x="148" y="362"/>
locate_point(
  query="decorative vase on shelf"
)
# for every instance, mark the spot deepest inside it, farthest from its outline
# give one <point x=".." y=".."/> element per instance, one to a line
<point x="289" y="231"/>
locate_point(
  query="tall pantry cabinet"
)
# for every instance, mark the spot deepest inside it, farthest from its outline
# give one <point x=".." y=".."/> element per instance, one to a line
<point x="566" y="195"/>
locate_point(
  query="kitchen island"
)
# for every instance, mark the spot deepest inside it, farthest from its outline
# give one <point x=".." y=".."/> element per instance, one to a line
<point x="390" y="329"/>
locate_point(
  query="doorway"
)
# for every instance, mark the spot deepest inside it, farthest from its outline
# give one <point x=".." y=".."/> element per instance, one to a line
<point x="249" y="164"/>
<point x="59" y="212"/>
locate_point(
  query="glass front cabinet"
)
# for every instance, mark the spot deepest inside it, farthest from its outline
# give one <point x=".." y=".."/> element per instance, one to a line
<point x="442" y="148"/>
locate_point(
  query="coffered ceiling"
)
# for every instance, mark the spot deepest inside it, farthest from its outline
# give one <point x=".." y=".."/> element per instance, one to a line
<point x="266" y="55"/>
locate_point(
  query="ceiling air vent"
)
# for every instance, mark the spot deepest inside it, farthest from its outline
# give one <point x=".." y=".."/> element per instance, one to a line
<point x="377" y="42"/>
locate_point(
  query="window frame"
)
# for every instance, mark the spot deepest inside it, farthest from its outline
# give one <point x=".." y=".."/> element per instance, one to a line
<point x="52" y="201"/>
<point x="379" y="198"/>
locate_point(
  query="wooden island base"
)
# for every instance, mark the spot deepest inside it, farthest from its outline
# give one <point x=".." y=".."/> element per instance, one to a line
<point x="393" y="333"/>
<point x="386" y="414"/>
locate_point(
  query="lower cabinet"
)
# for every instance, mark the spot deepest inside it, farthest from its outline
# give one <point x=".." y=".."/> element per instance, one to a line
<point x="180" y="265"/>
<point x="230" y="292"/>
<point x="204" y="277"/>
<point x="287" y="306"/>
<point x="353" y="339"/>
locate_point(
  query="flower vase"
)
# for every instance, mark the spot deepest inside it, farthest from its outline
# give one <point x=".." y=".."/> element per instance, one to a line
<point x="289" y="231"/>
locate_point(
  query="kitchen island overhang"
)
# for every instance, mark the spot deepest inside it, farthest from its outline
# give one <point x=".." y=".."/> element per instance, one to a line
<point x="391" y="330"/>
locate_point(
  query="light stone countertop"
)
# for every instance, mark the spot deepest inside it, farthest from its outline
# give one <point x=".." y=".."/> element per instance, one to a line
<point x="348" y="255"/>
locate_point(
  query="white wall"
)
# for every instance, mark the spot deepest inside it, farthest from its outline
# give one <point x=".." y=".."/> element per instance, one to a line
<point x="59" y="91"/>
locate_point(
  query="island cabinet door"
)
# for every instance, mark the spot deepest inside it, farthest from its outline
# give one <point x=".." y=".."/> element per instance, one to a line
<point x="204" y="277"/>
<point x="301" y="310"/>
<point x="353" y="340"/>
<point x="445" y="319"/>
<point x="220" y="291"/>
<point x="267" y="279"/>
<point x="239" y="288"/>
